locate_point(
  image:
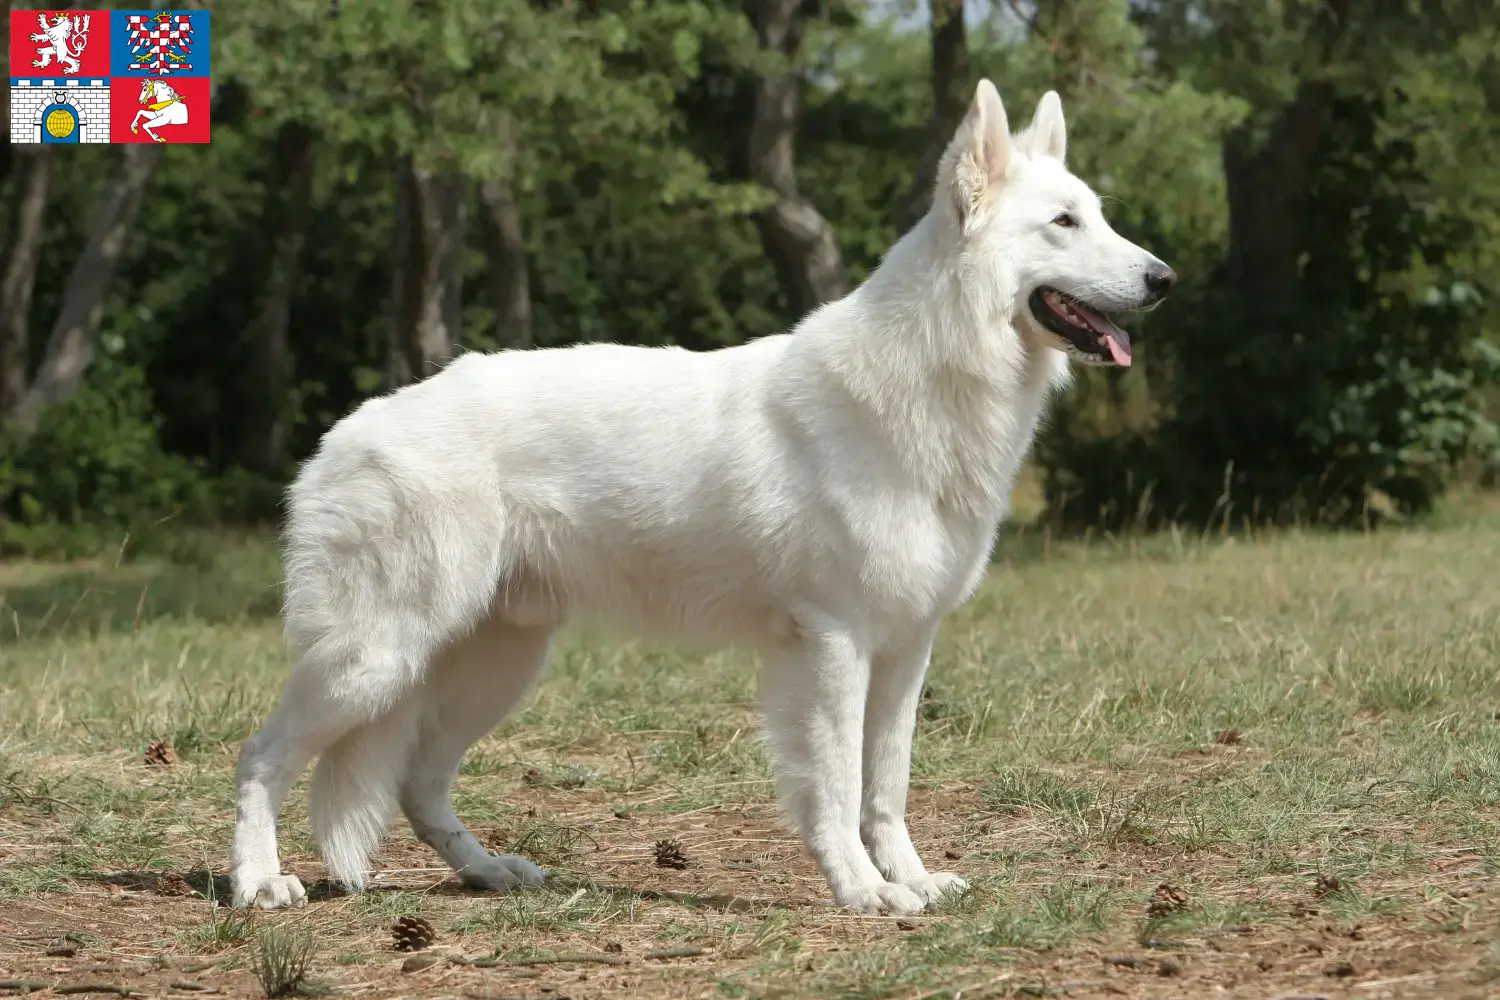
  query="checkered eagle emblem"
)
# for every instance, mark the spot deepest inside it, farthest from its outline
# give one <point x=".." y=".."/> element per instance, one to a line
<point x="160" y="43"/>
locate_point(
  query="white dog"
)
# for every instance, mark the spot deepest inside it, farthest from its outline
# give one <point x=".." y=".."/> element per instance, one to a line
<point x="823" y="497"/>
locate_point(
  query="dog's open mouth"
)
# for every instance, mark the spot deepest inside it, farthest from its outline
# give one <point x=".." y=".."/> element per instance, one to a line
<point x="1089" y="331"/>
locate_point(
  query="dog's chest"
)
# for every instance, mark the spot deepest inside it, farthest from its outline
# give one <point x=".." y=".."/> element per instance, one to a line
<point x="928" y="546"/>
<point x="920" y="561"/>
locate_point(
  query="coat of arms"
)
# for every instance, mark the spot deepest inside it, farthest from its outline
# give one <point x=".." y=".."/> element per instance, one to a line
<point x="159" y="43"/>
<point x="64" y="36"/>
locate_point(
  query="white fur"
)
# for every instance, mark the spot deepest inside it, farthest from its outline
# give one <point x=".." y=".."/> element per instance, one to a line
<point x="823" y="497"/>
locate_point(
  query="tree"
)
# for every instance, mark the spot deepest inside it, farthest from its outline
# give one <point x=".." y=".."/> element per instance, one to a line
<point x="70" y="347"/>
<point x="289" y="208"/>
<point x="951" y="86"/>
<point x="702" y="172"/>
<point x="801" y="243"/>
<point x="431" y="217"/>
<point x="469" y="97"/>
<point x="507" y="272"/>
<point x="1342" y="375"/>
<point x="19" y="277"/>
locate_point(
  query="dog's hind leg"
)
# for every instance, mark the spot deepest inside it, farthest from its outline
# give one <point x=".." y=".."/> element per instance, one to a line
<point x="307" y="721"/>
<point x="473" y="687"/>
<point x="815" y="705"/>
<point x="890" y="716"/>
<point x="348" y="702"/>
<point x="356" y="714"/>
<point x="384" y="574"/>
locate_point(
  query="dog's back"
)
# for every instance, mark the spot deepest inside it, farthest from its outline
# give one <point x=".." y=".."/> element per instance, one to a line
<point x="631" y="483"/>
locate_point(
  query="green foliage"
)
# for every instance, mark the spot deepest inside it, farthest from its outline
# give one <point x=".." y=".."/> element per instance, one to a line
<point x="623" y="127"/>
<point x="224" y="928"/>
<point x="94" y="470"/>
<point x="1353" y="393"/>
<point x="282" y="960"/>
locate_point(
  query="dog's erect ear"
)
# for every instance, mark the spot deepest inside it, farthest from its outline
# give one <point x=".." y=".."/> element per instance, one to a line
<point x="1047" y="135"/>
<point x="979" y="155"/>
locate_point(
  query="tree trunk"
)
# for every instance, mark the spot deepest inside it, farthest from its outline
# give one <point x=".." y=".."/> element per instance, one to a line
<point x="265" y="447"/>
<point x="950" y="81"/>
<point x="454" y="192"/>
<point x="397" y="373"/>
<point x="71" y="344"/>
<point x="504" y="241"/>
<point x="7" y="155"/>
<point x="1268" y="189"/>
<point x="505" y="253"/>
<point x="20" y="274"/>
<point x="433" y="208"/>
<point x="800" y="242"/>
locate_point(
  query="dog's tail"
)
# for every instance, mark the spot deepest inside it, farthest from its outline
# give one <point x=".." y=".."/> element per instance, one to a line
<point x="355" y="793"/>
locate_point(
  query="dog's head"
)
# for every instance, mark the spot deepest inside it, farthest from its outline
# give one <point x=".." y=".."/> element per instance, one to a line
<point x="1034" y="236"/>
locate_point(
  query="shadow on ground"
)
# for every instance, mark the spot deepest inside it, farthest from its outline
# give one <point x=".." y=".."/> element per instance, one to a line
<point x="212" y="885"/>
<point x="200" y="882"/>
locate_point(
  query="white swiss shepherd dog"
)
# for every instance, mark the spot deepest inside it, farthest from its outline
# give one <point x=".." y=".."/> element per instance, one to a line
<point x="822" y="497"/>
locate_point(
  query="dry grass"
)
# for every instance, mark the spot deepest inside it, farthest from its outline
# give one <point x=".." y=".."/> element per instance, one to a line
<point x="1297" y="733"/>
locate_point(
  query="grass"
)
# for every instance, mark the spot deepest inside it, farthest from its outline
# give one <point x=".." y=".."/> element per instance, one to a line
<point x="283" y="958"/>
<point x="1299" y="732"/>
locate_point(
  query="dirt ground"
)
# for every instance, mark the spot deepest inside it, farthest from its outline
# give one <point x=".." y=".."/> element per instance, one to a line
<point x="1253" y="768"/>
<point x="127" y="930"/>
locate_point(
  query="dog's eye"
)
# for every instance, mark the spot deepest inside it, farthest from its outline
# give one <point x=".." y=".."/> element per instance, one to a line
<point x="1065" y="220"/>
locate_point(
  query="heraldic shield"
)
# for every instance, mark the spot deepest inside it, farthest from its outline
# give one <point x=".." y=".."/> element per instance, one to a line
<point x="110" y="76"/>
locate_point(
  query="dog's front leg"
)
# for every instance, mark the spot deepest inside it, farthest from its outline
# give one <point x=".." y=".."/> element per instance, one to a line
<point x="890" y="717"/>
<point x="815" y="704"/>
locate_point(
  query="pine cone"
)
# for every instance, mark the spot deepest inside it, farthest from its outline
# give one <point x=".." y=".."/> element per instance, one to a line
<point x="1326" y="885"/>
<point x="669" y="854"/>
<point x="412" y="933"/>
<point x="1166" y="899"/>
<point x="161" y="754"/>
<point x="173" y="884"/>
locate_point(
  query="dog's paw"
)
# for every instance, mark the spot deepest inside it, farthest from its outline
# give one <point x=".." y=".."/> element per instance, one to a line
<point x="274" y="892"/>
<point x="502" y="874"/>
<point x="882" y="897"/>
<point x="934" y="885"/>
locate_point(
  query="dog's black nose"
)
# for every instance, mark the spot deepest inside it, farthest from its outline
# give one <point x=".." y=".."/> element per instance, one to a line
<point x="1159" y="280"/>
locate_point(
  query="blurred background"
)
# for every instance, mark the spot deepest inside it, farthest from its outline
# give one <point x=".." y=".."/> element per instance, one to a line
<point x="391" y="182"/>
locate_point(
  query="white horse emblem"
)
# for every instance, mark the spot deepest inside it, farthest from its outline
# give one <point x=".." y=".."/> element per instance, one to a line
<point x="66" y="35"/>
<point x="163" y="106"/>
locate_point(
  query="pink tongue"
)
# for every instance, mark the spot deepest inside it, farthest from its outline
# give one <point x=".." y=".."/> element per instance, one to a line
<point x="1117" y="340"/>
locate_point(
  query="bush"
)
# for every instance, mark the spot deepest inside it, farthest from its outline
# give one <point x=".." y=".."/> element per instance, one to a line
<point x="93" y="474"/>
<point x="1354" y="400"/>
